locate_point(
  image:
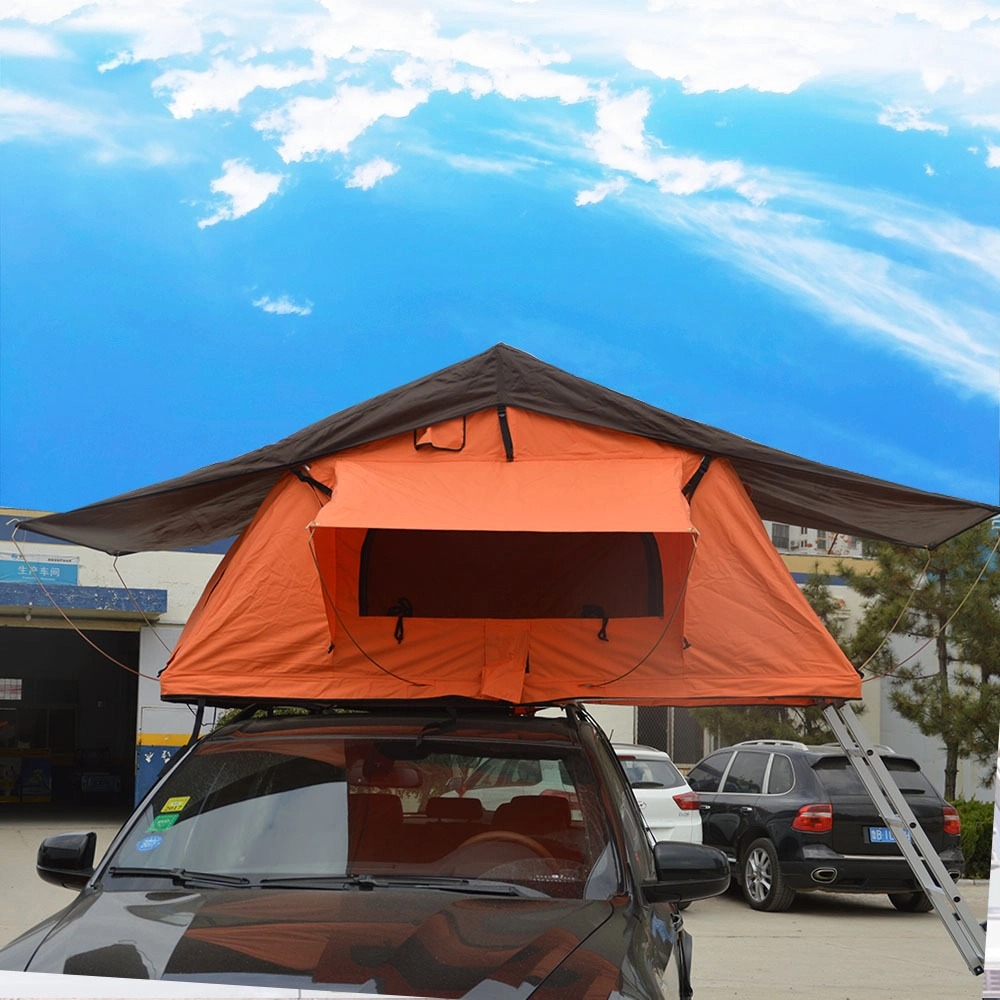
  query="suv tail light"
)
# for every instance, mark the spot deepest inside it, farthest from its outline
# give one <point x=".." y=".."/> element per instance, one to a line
<point x="952" y="822"/>
<point x="687" y="801"/>
<point x="815" y="818"/>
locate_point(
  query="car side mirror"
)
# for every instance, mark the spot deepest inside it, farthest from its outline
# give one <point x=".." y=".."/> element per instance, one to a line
<point x="685" y="872"/>
<point x="67" y="859"/>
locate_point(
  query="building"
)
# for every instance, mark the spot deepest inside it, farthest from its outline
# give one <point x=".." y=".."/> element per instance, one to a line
<point x="82" y="638"/>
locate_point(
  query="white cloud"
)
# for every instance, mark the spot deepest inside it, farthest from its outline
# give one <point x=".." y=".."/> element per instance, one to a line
<point x="938" y="312"/>
<point x="904" y="119"/>
<point x="489" y="165"/>
<point x="307" y="127"/>
<point x="620" y="144"/>
<point x="30" y="118"/>
<point x="155" y="29"/>
<point x="323" y="73"/>
<point x="933" y="62"/>
<point x="225" y="84"/>
<point x="929" y="170"/>
<point x="367" y="175"/>
<point x="282" y="306"/>
<point x="717" y="45"/>
<point x="27" y="43"/>
<point x="243" y="188"/>
<point x="40" y="11"/>
<point x="599" y="192"/>
<point x="26" y="116"/>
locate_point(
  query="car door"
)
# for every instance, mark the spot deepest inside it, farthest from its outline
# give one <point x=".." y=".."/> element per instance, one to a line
<point x="732" y="809"/>
<point x="658" y="962"/>
<point x="706" y="779"/>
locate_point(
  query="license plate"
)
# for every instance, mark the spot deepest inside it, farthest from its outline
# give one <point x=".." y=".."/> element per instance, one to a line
<point x="882" y="835"/>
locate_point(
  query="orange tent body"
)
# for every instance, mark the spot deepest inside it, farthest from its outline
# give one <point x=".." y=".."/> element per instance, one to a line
<point x="513" y="556"/>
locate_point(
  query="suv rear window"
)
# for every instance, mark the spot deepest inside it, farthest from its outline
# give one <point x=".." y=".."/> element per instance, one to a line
<point x="652" y="773"/>
<point x="839" y="778"/>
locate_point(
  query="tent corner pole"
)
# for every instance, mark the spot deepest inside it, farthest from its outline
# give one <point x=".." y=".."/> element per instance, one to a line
<point x="199" y="716"/>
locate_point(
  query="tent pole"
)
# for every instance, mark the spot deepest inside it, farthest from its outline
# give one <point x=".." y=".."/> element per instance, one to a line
<point x="199" y="715"/>
<point x="967" y="933"/>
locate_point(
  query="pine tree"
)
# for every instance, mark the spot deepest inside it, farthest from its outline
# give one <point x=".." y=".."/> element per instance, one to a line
<point x="948" y="601"/>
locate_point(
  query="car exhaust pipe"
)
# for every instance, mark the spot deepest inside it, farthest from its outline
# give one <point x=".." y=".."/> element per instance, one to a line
<point x="824" y="875"/>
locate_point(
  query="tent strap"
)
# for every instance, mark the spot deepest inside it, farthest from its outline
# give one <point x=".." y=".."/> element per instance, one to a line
<point x="315" y="483"/>
<point x="692" y="484"/>
<point x="508" y="441"/>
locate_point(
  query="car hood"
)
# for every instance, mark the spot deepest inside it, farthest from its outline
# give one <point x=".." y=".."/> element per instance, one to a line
<point x="415" y="942"/>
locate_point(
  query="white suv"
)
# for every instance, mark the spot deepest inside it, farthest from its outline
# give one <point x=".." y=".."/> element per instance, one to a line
<point x="668" y="804"/>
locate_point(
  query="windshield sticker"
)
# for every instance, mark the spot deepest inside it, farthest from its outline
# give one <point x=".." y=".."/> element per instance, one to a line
<point x="149" y="843"/>
<point x="164" y="821"/>
<point x="176" y="804"/>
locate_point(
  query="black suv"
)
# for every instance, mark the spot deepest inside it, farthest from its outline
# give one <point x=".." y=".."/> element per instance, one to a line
<point x="794" y="818"/>
<point x="345" y="850"/>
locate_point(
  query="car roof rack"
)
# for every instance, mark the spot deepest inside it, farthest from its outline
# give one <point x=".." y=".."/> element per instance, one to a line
<point x="880" y="747"/>
<point x="793" y="744"/>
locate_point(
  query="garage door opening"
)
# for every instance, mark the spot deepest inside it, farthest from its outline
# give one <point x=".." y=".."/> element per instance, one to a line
<point x="67" y="716"/>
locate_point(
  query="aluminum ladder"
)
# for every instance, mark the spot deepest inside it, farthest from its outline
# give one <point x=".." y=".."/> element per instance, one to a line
<point x="968" y="933"/>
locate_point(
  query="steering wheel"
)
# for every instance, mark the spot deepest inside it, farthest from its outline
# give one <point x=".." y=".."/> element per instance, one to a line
<point x="509" y="837"/>
<point x="501" y="854"/>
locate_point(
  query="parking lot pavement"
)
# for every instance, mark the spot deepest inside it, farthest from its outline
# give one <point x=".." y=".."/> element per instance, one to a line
<point x="24" y="898"/>
<point x="829" y="947"/>
<point x="826" y="947"/>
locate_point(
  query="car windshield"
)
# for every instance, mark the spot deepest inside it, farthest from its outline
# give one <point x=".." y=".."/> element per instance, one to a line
<point x="300" y="808"/>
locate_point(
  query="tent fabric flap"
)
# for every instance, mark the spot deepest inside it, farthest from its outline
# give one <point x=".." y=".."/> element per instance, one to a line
<point x="532" y="495"/>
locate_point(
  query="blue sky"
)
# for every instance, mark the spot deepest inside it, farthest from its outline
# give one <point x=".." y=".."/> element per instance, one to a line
<point x="222" y="221"/>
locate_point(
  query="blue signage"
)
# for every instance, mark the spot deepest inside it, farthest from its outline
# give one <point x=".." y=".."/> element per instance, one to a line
<point x="55" y="570"/>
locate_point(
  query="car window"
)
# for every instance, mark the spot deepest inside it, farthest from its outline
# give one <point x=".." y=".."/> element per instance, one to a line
<point x="839" y="777"/>
<point x="651" y="773"/>
<point x="705" y="776"/>
<point x="281" y="806"/>
<point x="498" y="773"/>
<point x="782" y="777"/>
<point x="746" y="776"/>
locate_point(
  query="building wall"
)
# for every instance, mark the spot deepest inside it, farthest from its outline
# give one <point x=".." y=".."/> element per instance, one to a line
<point x="103" y="644"/>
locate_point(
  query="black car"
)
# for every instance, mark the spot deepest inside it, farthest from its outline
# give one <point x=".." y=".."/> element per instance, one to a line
<point x="345" y="850"/>
<point x="793" y="818"/>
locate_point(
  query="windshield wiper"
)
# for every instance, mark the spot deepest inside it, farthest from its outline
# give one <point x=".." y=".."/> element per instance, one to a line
<point x="180" y="876"/>
<point x="471" y="886"/>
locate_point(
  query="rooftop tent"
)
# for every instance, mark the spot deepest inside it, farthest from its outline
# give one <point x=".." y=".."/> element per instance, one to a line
<point x="502" y="529"/>
<point x="577" y="570"/>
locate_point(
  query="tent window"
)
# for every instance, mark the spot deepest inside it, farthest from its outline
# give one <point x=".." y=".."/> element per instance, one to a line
<point x="498" y="574"/>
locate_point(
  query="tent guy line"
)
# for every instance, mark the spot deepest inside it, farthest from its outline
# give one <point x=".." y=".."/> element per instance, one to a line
<point x="944" y="625"/>
<point x="76" y="628"/>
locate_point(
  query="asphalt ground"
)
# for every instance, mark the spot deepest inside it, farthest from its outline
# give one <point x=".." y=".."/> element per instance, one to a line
<point x="827" y="947"/>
